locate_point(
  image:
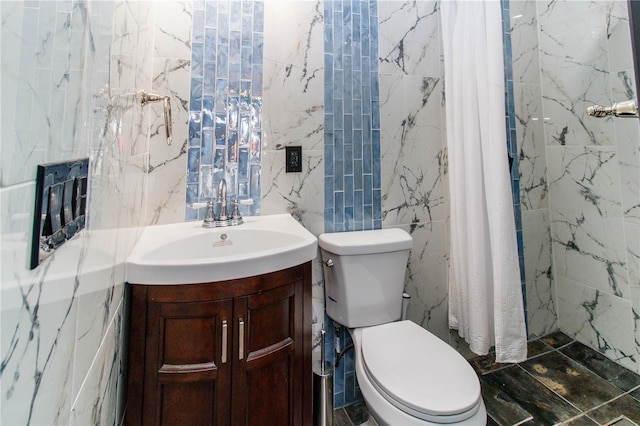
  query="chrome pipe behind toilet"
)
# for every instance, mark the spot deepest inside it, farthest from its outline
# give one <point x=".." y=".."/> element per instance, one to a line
<point x="322" y="388"/>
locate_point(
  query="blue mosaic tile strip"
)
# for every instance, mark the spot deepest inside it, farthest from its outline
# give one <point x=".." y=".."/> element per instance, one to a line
<point x="225" y="106"/>
<point x="352" y="116"/>
<point x="353" y="200"/>
<point x="512" y="144"/>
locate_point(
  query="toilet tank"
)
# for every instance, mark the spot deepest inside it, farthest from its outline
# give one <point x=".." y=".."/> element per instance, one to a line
<point x="364" y="275"/>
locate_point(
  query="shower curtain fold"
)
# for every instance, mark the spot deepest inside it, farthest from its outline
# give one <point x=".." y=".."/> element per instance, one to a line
<point x="485" y="296"/>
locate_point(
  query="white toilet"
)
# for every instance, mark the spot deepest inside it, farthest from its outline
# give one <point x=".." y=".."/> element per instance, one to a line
<point x="407" y="375"/>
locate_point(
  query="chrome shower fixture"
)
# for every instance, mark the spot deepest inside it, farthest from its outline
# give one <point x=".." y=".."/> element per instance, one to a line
<point x="151" y="97"/>
<point x="618" y="109"/>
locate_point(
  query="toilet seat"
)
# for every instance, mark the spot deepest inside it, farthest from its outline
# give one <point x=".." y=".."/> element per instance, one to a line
<point x="419" y="374"/>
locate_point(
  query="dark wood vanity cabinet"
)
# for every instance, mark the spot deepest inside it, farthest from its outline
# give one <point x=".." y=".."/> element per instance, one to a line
<point x="223" y="353"/>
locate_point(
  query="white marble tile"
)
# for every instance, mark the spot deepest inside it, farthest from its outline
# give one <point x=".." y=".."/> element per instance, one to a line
<point x="118" y="185"/>
<point x="635" y="306"/>
<point x="172" y="29"/>
<point x="619" y="35"/>
<point x="427" y="277"/>
<point x="599" y="320"/>
<point x="293" y="112"/>
<point x="581" y="178"/>
<point x="165" y="201"/>
<point x="37" y="352"/>
<point x="12" y="14"/>
<point x="133" y="29"/>
<point x="293" y="88"/>
<point x="628" y="148"/>
<point x="96" y="312"/>
<point x="584" y="50"/>
<point x="551" y="11"/>
<point x="524" y="41"/>
<point x="409" y="37"/>
<point x="300" y="194"/>
<point x="532" y="162"/>
<point x="586" y="218"/>
<point x="632" y="234"/>
<point x="575" y="75"/>
<point x="542" y="316"/>
<point x="98" y="401"/>
<point x="412" y="152"/>
<point x="47" y="353"/>
<point x="46" y="27"/>
<point x="590" y="251"/>
<point x="168" y="163"/>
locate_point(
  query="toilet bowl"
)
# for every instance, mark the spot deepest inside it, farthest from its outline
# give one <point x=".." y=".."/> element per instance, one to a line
<point x="407" y="375"/>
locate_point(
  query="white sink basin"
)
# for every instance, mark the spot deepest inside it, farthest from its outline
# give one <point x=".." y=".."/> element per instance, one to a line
<point x="187" y="253"/>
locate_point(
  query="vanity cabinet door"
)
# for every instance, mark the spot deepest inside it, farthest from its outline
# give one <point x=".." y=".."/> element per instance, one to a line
<point x="234" y="352"/>
<point x="268" y="369"/>
<point x="188" y="363"/>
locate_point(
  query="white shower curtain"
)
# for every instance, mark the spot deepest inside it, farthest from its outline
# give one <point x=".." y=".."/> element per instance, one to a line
<point x="485" y="298"/>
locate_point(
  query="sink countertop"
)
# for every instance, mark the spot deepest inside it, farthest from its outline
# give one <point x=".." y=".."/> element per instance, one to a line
<point x="187" y="253"/>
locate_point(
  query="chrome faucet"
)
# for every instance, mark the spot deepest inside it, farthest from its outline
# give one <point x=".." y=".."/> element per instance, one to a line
<point x="223" y="218"/>
<point x="221" y="199"/>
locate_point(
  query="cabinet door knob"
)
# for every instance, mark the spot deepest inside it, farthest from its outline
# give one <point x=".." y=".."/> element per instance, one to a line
<point x="240" y="338"/>
<point x="224" y="342"/>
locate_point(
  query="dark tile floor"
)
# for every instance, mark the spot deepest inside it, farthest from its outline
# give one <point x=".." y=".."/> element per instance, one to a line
<point x="562" y="382"/>
<point x="351" y="415"/>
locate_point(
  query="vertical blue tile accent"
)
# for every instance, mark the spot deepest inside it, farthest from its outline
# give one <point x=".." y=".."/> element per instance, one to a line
<point x="226" y="90"/>
<point x="512" y="145"/>
<point x="351" y="136"/>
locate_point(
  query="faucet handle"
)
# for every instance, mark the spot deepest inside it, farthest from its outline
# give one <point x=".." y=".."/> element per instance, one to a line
<point x="209" y="220"/>
<point x="236" y="217"/>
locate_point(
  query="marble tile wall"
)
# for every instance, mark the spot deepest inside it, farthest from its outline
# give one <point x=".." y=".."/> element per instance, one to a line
<point x="413" y="153"/>
<point x="534" y="197"/>
<point x="580" y="175"/>
<point x="170" y="60"/>
<point x="72" y="69"/>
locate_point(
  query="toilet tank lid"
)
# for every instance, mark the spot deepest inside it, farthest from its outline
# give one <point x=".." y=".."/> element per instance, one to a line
<point x="366" y="242"/>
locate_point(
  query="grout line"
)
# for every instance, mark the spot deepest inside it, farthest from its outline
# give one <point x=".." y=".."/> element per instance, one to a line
<point x="524" y="421"/>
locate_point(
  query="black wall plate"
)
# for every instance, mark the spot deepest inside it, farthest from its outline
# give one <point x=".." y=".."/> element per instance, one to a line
<point x="293" y="159"/>
<point x="60" y="207"/>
